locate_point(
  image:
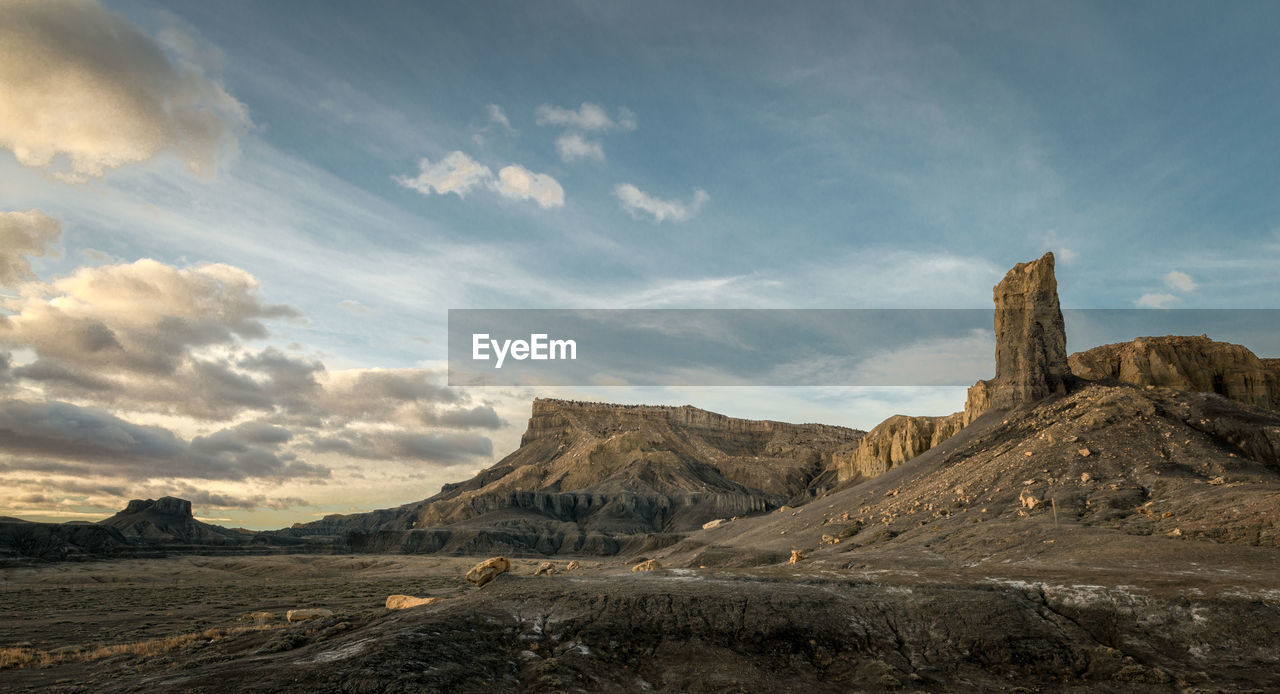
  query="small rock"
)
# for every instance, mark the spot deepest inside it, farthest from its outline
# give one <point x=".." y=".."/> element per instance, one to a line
<point x="713" y="524"/>
<point x="830" y="540"/>
<point x="1085" y="452"/>
<point x="1028" y="453"/>
<point x="304" y="614"/>
<point x="1085" y="477"/>
<point x="647" y="565"/>
<point x="488" y="570"/>
<point x="546" y="568"/>
<point x="796" y="556"/>
<point x="258" y="618"/>
<point x="1217" y="480"/>
<point x="404" y="602"/>
<point x="572" y="566"/>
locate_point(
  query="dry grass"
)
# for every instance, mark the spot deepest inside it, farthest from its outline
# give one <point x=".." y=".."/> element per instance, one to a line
<point x="30" y="657"/>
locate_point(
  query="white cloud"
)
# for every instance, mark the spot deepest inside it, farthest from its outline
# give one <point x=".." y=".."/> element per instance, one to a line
<point x="589" y="117"/>
<point x="83" y="85"/>
<point x="517" y="182"/>
<point x="499" y="117"/>
<point x="573" y="146"/>
<point x="24" y="234"/>
<point x="1052" y="242"/>
<point x="354" y="307"/>
<point x="457" y="173"/>
<point x="1180" y="282"/>
<point x="1154" y="300"/>
<point x="637" y="203"/>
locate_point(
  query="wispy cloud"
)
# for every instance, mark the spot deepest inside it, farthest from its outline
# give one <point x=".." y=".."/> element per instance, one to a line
<point x="1156" y="300"/>
<point x="1180" y="282"/>
<point x="640" y="204"/>
<point x="23" y="235"/>
<point x="573" y="144"/>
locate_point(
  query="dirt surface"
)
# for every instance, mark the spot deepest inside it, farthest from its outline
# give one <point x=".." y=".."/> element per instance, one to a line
<point x="808" y="627"/>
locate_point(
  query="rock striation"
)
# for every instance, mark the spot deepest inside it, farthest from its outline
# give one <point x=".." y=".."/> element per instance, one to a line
<point x="594" y="478"/>
<point x="893" y="442"/>
<point x="1031" y="341"/>
<point x="1194" y="363"/>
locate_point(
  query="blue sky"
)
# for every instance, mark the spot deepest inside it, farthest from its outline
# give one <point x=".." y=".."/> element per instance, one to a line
<point x="729" y="155"/>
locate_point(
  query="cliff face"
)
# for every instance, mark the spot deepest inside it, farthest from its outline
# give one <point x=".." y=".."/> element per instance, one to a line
<point x="593" y="477"/>
<point x="895" y="441"/>
<point x="1031" y="341"/>
<point x="1186" y="363"/>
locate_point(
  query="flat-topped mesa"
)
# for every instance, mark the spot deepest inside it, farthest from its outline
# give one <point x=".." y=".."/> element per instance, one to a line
<point x="552" y="416"/>
<point x="165" y="505"/>
<point x="1031" y="341"/>
<point x="1194" y="363"/>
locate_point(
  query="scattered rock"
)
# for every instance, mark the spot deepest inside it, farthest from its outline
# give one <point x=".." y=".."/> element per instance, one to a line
<point x="796" y="556"/>
<point x="404" y="602"/>
<point x="258" y="618"/>
<point x="546" y="568"/>
<point x="302" y="615"/>
<point x="647" y="565"/>
<point x="713" y="524"/>
<point x="572" y="566"/>
<point x="488" y="570"/>
<point x="830" y="540"/>
<point x="1085" y="453"/>
<point x="1084" y="476"/>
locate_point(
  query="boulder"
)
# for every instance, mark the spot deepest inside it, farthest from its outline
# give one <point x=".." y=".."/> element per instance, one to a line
<point x="647" y="565"/>
<point x="713" y="523"/>
<point x="572" y="566"/>
<point x="546" y="568"/>
<point x="258" y="618"/>
<point x="797" y="556"/>
<point x="304" y="614"/>
<point x="403" y="602"/>
<point x="1031" y="341"/>
<point x="488" y="570"/>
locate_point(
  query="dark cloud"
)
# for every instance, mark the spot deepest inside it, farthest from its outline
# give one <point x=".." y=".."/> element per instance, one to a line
<point x="442" y="448"/>
<point x="88" y="440"/>
<point x="478" y="417"/>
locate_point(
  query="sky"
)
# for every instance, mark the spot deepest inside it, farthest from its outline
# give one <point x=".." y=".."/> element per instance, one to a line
<point x="230" y="232"/>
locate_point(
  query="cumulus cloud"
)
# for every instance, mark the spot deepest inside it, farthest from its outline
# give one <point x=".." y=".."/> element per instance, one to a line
<point x="588" y="117"/>
<point x="82" y="83"/>
<point x="638" y="204"/>
<point x="1180" y="282"/>
<point x="1156" y="300"/>
<point x="519" y="183"/>
<point x="457" y="173"/>
<point x="573" y="146"/>
<point x="22" y="235"/>
<point x="460" y="174"/>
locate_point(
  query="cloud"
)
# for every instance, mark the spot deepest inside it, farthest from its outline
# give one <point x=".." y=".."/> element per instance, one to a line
<point x="588" y="118"/>
<point x="460" y="174"/>
<point x="445" y="448"/>
<point x="1154" y="300"/>
<point x="24" y="234"/>
<point x="82" y="83"/>
<point x="354" y="307"/>
<point x="92" y="441"/>
<point x="457" y="173"/>
<point x="573" y="147"/>
<point x="519" y="183"/>
<point x="638" y="203"/>
<point x="498" y="117"/>
<point x="1180" y="282"/>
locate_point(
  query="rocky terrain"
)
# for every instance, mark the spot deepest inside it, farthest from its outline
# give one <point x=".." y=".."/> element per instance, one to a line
<point x="599" y="479"/>
<point x="1100" y="522"/>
